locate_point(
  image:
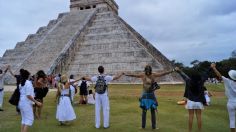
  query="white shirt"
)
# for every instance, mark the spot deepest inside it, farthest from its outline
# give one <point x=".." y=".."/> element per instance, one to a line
<point x="230" y="89"/>
<point x="107" y="78"/>
<point x="91" y="99"/>
<point x="26" y="90"/>
<point x="2" y="77"/>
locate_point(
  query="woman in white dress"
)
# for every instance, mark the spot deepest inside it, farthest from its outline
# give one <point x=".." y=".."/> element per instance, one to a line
<point x="26" y="101"/>
<point x="65" y="111"/>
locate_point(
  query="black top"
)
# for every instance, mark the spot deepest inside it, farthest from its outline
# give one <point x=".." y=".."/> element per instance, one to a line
<point x="193" y="91"/>
<point x="18" y="80"/>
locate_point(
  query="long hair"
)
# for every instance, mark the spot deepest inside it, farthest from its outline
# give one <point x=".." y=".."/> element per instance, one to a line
<point x="41" y="74"/>
<point x="24" y="76"/>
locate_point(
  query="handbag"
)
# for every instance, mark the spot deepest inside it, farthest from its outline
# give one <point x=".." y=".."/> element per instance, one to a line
<point x="155" y="86"/>
<point x="15" y="97"/>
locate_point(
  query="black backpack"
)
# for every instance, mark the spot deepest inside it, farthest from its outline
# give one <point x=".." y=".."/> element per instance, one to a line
<point x="101" y="85"/>
<point x="83" y="85"/>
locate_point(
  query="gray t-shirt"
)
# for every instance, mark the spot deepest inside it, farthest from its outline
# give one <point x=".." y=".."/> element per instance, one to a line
<point x="230" y="89"/>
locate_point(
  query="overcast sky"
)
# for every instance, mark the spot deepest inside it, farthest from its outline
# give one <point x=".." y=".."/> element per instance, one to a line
<point x="183" y="30"/>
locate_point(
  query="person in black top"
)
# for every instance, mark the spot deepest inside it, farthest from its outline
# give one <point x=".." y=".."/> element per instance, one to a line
<point x="18" y="80"/>
<point x="194" y="92"/>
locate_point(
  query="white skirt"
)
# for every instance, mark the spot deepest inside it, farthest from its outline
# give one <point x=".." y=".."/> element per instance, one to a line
<point x="26" y="110"/>
<point x="65" y="111"/>
<point x="194" y="105"/>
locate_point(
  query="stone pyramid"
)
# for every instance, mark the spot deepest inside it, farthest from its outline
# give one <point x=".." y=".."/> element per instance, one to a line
<point x="77" y="42"/>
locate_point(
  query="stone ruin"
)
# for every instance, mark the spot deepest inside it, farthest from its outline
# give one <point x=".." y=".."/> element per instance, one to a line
<point x="77" y="42"/>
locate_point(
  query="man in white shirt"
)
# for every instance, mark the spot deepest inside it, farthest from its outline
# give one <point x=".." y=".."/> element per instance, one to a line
<point x="101" y="96"/>
<point x="2" y="78"/>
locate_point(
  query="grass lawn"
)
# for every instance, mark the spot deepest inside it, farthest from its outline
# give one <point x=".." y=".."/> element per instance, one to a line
<point x="125" y="114"/>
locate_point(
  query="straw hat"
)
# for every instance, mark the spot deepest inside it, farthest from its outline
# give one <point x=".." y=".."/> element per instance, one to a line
<point x="232" y="74"/>
<point x="64" y="78"/>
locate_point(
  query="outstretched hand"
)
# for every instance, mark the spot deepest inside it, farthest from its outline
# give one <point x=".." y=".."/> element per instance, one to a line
<point x="177" y="69"/>
<point x="213" y="65"/>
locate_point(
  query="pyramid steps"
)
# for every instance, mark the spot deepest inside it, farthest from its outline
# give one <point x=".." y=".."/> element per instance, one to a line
<point x="15" y="56"/>
<point x="43" y="58"/>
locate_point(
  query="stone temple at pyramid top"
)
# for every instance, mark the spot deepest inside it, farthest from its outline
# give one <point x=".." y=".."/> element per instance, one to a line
<point x="76" y="5"/>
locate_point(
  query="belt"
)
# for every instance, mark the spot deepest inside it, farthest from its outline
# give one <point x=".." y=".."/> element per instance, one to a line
<point x="67" y="95"/>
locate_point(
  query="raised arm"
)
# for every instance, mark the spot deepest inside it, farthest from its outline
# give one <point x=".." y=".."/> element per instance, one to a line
<point x="11" y="73"/>
<point x="218" y="74"/>
<point x="182" y="74"/>
<point x="134" y="75"/>
<point x="118" y="76"/>
<point x="86" y="78"/>
<point x="162" y="73"/>
<point x="5" y="71"/>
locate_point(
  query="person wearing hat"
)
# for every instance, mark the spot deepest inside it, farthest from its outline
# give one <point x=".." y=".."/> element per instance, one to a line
<point x="230" y="92"/>
<point x="65" y="111"/>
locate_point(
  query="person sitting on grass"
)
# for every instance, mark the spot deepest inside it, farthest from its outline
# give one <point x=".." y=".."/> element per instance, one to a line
<point x="91" y="98"/>
<point x="230" y="92"/>
<point x="148" y="99"/>
<point x="194" y="92"/>
<point x="65" y="112"/>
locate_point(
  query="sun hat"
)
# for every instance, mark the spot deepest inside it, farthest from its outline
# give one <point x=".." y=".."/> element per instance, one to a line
<point x="64" y="78"/>
<point x="232" y="74"/>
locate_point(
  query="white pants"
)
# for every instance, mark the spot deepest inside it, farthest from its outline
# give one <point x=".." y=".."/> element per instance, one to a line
<point x="102" y="100"/>
<point x="1" y="98"/>
<point x="231" y="106"/>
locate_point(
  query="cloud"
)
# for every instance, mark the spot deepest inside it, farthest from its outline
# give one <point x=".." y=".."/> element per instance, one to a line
<point x="182" y="30"/>
<point x="185" y="30"/>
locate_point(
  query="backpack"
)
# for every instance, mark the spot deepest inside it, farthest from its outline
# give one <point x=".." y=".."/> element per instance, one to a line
<point x="83" y="86"/>
<point x="101" y="85"/>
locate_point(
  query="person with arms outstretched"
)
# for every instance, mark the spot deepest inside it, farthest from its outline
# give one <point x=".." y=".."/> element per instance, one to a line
<point x="101" y="96"/>
<point x="148" y="99"/>
<point x="230" y="92"/>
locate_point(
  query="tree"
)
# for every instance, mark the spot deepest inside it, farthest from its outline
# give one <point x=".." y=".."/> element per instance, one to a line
<point x="233" y="54"/>
<point x="195" y="62"/>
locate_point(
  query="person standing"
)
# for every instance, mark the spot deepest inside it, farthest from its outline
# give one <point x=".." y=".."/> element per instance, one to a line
<point x="26" y="101"/>
<point x="18" y="80"/>
<point x="101" y="96"/>
<point x="83" y="85"/>
<point x="2" y="78"/>
<point x="40" y="90"/>
<point x="230" y="92"/>
<point x="148" y="99"/>
<point x="194" y="92"/>
<point x="65" y="111"/>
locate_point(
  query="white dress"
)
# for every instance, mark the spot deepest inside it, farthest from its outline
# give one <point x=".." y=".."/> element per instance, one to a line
<point x="25" y="104"/>
<point x="65" y="111"/>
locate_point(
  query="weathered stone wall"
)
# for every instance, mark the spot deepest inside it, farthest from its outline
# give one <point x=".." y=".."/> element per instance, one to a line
<point x="89" y="4"/>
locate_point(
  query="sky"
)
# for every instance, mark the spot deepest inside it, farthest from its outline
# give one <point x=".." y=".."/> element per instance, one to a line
<point x="183" y="30"/>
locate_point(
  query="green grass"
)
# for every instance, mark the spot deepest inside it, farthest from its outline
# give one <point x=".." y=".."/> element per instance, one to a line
<point x="125" y="114"/>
